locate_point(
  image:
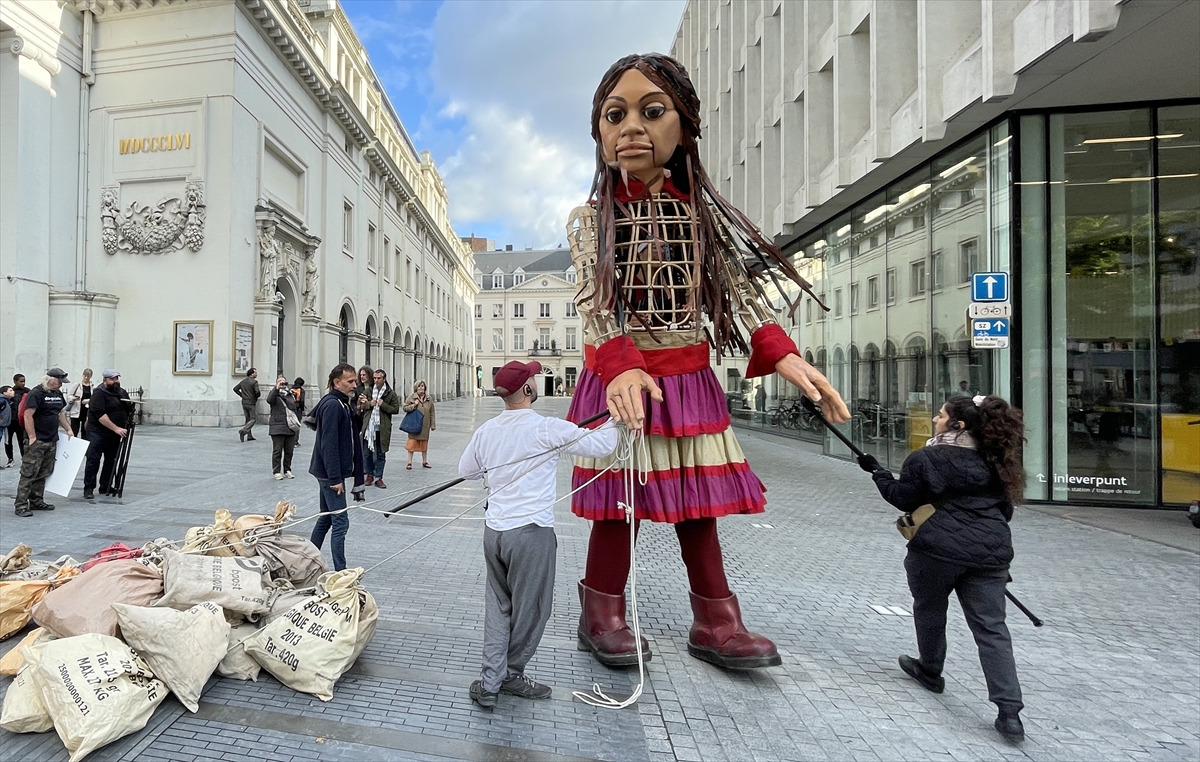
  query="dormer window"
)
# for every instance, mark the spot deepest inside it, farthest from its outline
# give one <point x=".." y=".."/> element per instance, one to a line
<point x="497" y="279"/>
<point x="518" y="278"/>
<point x="571" y="274"/>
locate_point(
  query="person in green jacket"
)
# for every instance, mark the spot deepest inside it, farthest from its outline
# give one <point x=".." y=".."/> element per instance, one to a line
<point x="377" y="428"/>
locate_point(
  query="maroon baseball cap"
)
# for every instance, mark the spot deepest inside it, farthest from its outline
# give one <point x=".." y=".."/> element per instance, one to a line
<point x="511" y="377"/>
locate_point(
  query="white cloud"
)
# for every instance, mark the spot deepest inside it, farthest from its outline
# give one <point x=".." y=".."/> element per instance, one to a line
<point x="522" y="75"/>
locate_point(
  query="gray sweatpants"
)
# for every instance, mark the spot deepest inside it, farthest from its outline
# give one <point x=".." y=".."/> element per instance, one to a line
<point x="981" y="594"/>
<point x="520" y="592"/>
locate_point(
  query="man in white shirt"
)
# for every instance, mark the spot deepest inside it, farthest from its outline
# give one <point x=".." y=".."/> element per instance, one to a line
<point x="517" y="453"/>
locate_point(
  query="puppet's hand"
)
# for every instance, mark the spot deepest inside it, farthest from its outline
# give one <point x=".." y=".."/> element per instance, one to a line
<point x="624" y="396"/>
<point x="815" y="386"/>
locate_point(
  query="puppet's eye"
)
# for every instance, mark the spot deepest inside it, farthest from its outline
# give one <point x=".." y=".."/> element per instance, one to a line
<point x="655" y="111"/>
<point x="615" y="115"/>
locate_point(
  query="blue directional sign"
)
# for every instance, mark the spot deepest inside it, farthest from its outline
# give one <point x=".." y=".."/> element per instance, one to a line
<point x="989" y="287"/>
<point x="991" y="333"/>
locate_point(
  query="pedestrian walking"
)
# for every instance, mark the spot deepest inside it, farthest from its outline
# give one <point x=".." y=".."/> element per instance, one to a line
<point x="358" y="406"/>
<point x="518" y="452"/>
<point x="16" y="428"/>
<point x="970" y="472"/>
<point x="301" y="407"/>
<point x="45" y="413"/>
<point x="284" y="415"/>
<point x="78" y="398"/>
<point x="419" y="442"/>
<point x="333" y="460"/>
<point x="377" y="428"/>
<point x="108" y="419"/>
<point x="247" y="389"/>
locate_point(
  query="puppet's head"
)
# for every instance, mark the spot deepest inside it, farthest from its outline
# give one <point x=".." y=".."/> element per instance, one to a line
<point x="646" y="120"/>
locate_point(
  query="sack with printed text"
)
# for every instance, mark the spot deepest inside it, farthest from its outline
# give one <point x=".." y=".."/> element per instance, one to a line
<point x="237" y="664"/>
<point x="232" y="582"/>
<point x="17" y="599"/>
<point x="23" y="710"/>
<point x="18" y="565"/>
<point x="318" y="639"/>
<point x="216" y="539"/>
<point x="183" y="648"/>
<point x="85" y="605"/>
<point x="96" y="690"/>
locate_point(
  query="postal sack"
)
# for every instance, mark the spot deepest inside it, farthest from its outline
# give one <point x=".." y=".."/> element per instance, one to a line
<point x="232" y="582"/>
<point x="23" y="710"/>
<point x="319" y="638"/>
<point x="85" y="605"/>
<point x="181" y="647"/>
<point x="237" y="664"/>
<point x="17" y="599"/>
<point x="96" y="690"/>
<point x="12" y="662"/>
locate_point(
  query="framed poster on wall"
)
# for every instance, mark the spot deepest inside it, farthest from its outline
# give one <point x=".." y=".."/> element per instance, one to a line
<point x="193" y="348"/>
<point x="243" y="348"/>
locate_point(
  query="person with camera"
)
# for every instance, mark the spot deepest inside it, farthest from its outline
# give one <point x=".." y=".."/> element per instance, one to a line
<point x="970" y="472"/>
<point x="283" y="425"/>
<point x="108" y="418"/>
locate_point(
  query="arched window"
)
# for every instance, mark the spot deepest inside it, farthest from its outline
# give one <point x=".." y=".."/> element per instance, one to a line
<point x="344" y="336"/>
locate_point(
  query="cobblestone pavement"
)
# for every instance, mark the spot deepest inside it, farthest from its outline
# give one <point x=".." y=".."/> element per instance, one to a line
<point x="1113" y="675"/>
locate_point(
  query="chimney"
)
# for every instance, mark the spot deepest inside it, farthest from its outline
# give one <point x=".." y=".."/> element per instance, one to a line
<point x="508" y="247"/>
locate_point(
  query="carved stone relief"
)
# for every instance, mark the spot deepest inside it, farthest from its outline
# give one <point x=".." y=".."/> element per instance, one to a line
<point x="285" y="248"/>
<point x="173" y="223"/>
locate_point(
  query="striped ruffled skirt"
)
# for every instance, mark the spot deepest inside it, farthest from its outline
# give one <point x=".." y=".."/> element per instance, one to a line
<point x="696" y="470"/>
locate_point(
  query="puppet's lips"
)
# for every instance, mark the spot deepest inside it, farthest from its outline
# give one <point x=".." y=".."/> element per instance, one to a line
<point x="635" y="148"/>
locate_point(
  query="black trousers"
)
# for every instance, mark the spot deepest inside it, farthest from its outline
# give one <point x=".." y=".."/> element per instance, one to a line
<point x="281" y="452"/>
<point x="13" y="432"/>
<point x="981" y="594"/>
<point x="106" y="444"/>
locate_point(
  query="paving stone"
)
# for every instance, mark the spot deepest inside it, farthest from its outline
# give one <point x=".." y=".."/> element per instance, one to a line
<point x="1114" y="674"/>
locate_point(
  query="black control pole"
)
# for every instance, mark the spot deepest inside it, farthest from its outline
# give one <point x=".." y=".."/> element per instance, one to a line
<point x="460" y="479"/>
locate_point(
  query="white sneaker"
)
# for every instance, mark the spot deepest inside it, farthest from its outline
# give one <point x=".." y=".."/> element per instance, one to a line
<point x="289" y="475"/>
<point x="278" y="477"/>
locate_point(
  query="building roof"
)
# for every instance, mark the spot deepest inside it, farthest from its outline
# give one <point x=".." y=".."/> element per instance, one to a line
<point x="543" y="261"/>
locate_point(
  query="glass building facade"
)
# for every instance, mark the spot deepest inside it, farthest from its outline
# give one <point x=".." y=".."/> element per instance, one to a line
<point x="1096" y="215"/>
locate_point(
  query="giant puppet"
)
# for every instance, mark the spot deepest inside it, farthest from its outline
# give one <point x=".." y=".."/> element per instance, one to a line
<point x="667" y="268"/>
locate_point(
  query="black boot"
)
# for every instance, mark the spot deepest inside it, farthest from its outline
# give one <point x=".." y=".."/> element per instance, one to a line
<point x="1008" y="723"/>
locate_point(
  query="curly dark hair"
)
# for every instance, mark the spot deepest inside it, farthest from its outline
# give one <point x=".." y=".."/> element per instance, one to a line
<point x="714" y="237"/>
<point x="999" y="432"/>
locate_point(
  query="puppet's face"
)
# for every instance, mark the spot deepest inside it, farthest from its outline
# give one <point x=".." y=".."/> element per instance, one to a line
<point x="639" y="127"/>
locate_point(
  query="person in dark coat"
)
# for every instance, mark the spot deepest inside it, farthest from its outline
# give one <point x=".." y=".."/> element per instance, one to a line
<point x="301" y="406"/>
<point x="377" y="427"/>
<point x="247" y="389"/>
<point x="358" y="405"/>
<point x="333" y="460"/>
<point x="970" y="472"/>
<point x="283" y="437"/>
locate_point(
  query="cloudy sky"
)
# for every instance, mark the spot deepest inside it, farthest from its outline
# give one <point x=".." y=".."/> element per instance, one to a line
<point x="499" y="92"/>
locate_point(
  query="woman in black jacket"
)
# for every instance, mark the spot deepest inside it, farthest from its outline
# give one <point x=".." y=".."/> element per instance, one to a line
<point x="283" y="436"/>
<point x="970" y="471"/>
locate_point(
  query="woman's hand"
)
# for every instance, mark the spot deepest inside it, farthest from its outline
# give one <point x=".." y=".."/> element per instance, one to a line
<point x="624" y="396"/>
<point x="813" y="385"/>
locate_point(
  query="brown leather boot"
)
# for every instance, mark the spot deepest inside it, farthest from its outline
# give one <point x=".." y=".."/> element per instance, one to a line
<point x="719" y="637"/>
<point x="602" y="629"/>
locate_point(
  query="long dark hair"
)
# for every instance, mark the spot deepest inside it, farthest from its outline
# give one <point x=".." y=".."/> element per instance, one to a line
<point x="716" y="235"/>
<point x="999" y="432"/>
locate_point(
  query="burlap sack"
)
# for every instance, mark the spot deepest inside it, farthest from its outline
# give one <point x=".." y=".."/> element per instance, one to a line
<point x="12" y="662"/>
<point x="318" y="639"/>
<point x="280" y="599"/>
<point x="23" y="710"/>
<point x="17" y="599"/>
<point x="16" y="559"/>
<point x="232" y="582"/>
<point x="213" y="540"/>
<point x="286" y="556"/>
<point x="85" y="605"/>
<point x="38" y="569"/>
<point x="181" y="647"/>
<point x="96" y="690"/>
<point x="237" y="664"/>
<point x="257" y="524"/>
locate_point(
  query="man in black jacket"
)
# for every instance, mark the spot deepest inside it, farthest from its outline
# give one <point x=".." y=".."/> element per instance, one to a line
<point x="333" y="460"/>
<point x="16" y="429"/>
<point x="248" y="390"/>
<point x="108" y="415"/>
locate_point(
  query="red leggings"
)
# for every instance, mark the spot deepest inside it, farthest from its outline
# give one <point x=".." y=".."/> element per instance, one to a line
<point x="608" y="557"/>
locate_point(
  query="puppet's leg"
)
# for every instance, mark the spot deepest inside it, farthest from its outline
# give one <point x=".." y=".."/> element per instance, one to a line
<point x="717" y="635"/>
<point x="602" y="627"/>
